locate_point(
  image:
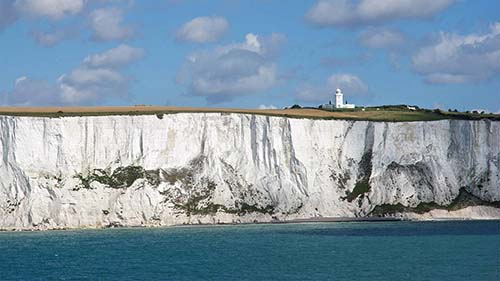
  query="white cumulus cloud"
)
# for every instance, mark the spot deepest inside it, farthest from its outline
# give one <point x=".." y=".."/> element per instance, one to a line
<point x="116" y="57"/>
<point x="29" y="92"/>
<point x="349" y="83"/>
<point x="48" y="38"/>
<point x="107" y="24"/>
<point x="53" y="9"/>
<point x="54" y="36"/>
<point x="203" y="29"/>
<point x="382" y="38"/>
<point x="352" y="13"/>
<point x="229" y="71"/>
<point x="87" y="85"/>
<point x="12" y="10"/>
<point x="454" y="58"/>
<point x="98" y="78"/>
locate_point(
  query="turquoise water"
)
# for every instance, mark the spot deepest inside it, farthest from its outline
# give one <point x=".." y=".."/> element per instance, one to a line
<point x="317" y="251"/>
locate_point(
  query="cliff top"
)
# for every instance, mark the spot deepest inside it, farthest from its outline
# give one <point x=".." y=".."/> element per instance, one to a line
<point x="390" y="114"/>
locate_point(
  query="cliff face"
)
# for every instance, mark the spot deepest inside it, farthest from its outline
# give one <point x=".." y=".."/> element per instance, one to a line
<point x="215" y="167"/>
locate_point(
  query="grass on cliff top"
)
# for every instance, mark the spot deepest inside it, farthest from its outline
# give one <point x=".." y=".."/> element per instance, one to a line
<point x="383" y="113"/>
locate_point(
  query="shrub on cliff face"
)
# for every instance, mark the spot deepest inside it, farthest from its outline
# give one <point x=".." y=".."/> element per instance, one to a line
<point x="363" y="184"/>
<point x="183" y="175"/>
<point x="121" y="177"/>
<point x="360" y="189"/>
<point x="126" y="176"/>
<point x="463" y="200"/>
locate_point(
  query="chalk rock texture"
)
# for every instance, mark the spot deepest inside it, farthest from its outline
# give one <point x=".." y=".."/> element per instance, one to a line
<point x="152" y="170"/>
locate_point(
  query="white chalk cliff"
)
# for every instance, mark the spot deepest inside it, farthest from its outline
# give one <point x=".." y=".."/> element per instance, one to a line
<point x="150" y="170"/>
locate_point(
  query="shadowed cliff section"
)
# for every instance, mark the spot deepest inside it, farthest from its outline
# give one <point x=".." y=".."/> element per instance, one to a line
<point x="362" y="186"/>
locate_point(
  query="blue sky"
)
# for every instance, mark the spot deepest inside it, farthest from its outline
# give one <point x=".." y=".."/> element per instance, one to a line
<point x="249" y="54"/>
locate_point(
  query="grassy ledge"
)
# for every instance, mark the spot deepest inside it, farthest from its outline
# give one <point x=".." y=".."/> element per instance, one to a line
<point x="398" y="113"/>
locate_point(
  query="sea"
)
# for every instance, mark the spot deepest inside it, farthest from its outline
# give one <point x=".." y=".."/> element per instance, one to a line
<point x="403" y="250"/>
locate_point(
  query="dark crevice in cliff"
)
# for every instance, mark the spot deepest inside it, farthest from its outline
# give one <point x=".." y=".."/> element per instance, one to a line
<point x="253" y="139"/>
<point x="141" y="143"/>
<point x="462" y="141"/>
<point x="204" y="138"/>
<point x="265" y="144"/>
<point x="344" y="139"/>
<point x="386" y="128"/>
<point x="362" y="185"/>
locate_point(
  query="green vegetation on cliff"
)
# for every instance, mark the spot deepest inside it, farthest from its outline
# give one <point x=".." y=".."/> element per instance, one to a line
<point x="121" y="177"/>
<point x="463" y="200"/>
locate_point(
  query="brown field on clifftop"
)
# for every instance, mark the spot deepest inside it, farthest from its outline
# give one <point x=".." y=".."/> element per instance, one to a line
<point x="370" y="114"/>
<point x="140" y="109"/>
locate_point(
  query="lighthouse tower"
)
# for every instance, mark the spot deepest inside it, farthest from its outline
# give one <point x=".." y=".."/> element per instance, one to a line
<point x="339" y="99"/>
<point x="339" y="102"/>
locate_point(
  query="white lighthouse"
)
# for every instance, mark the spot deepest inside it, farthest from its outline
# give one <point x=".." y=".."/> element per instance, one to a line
<point x="339" y="100"/>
